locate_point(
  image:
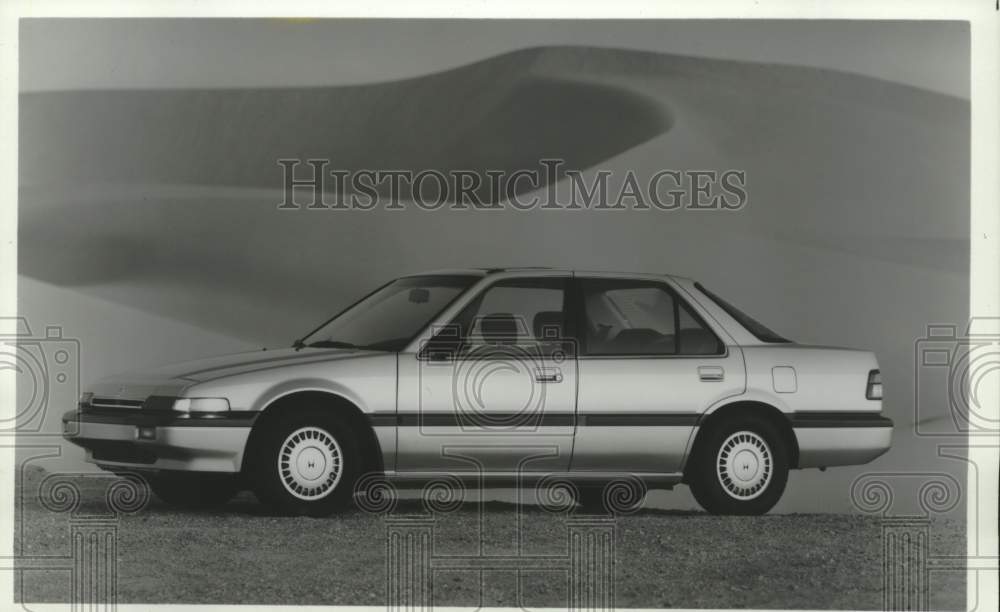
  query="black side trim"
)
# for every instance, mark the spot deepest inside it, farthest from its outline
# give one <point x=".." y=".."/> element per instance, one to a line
<point x="142" y="418"/>
<point x="608" y="419"/>
<point x="671" y="419"/>
<point x="612" y="419"/>
<point x="382" y="419"/>
<point x="839" y="419"/>
<point x="451" y="419"/>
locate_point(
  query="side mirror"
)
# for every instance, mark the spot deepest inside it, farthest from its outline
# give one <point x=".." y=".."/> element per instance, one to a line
<point x="443" y="346"/>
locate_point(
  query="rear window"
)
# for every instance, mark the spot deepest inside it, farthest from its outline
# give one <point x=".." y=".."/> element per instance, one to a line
<point x="758" y="329"/>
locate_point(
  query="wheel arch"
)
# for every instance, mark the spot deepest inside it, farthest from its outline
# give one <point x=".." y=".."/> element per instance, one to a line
<point x="761" y="409"/>
<point x="371" y="451"/>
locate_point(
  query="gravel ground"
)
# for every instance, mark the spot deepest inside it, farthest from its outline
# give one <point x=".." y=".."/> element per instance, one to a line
<point x="238" y="554"/>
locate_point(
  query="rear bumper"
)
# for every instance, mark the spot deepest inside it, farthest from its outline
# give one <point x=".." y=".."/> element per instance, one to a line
<point x="184" y="444"/>
<point x="841" y="438"/>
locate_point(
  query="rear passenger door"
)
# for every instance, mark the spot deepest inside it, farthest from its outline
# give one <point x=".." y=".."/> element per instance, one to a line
<point x="649" y="365"/>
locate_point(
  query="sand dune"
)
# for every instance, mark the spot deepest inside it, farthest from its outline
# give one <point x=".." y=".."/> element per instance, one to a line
<point x="501" y="114"/>
<point x="833" y="160"/>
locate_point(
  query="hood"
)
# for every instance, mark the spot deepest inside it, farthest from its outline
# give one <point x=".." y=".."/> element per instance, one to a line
<point x="173" y="378"/>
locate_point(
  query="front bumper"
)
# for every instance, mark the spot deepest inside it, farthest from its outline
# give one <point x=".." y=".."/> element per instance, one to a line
<point x="829" y="439"/>
<point x="112" y="441"/>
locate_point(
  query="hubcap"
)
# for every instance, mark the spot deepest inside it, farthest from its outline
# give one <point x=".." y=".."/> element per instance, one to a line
<point x="310" y="463"/>
<point x="744" y="465"/>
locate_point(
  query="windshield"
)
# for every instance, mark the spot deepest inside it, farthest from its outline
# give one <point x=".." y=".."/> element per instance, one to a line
<point x="755" y="327"/>
<point x="392" y="316"/>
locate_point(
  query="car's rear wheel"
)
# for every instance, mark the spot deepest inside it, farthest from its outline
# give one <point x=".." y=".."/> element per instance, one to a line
<point x="191" y="490"/>
<point x="740" y="467"/>
<point x="305" y="462"/>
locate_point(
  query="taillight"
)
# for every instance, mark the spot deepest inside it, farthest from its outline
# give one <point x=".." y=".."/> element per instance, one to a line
<point x="874" y="389"/>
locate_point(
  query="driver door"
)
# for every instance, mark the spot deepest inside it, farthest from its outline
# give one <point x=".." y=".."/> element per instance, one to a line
<point x="495" y="390"/>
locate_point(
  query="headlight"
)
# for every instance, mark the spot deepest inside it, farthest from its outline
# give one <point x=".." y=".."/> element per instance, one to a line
<point x="201" y="404"/>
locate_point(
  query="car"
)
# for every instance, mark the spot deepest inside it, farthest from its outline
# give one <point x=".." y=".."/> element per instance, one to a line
<point x="498" y="377"/>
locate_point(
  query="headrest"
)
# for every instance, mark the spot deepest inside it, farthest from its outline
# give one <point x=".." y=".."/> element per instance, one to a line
<point x="499" y="327"/>
<point x="633" y="340"/>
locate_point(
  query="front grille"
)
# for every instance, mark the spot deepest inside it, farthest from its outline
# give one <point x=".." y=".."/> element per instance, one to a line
<point x="111" y="402"/>
<point x="111" y="405"/>
<point x="120" y="452"/>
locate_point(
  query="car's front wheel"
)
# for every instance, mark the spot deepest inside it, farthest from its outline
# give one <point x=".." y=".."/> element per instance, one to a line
<point x="305" y="462"/>
<point x="740" y="467"/>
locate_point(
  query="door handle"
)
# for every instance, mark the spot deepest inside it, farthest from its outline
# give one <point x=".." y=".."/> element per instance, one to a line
<point x="548" y="376"/>
<point x="711" y="373"/>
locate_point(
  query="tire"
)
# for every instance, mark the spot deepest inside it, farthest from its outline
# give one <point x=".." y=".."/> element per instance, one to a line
<point x="193" y="491"/>
<point x="740" y="467"/>
<point x="319" y="463"/>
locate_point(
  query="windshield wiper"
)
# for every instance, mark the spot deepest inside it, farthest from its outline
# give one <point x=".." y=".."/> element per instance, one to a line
<point x="333" y="344"/>
<point x="379" y="346"/>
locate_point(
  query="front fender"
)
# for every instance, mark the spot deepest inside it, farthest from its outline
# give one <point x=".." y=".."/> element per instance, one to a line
<point x="288" y="387"/>
<point x="368" y="382"/>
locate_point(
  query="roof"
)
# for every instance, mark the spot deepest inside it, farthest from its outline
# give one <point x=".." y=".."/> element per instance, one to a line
<point x="489" y="271"/>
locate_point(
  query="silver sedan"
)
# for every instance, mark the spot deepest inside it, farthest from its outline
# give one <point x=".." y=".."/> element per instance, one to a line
<point x="507" y="377"/>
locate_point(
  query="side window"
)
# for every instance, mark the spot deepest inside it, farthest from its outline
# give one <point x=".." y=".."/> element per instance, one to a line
<point x="622" y="317"/>
<point x="695" y="338"/>
<point x="527" y="313"/>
